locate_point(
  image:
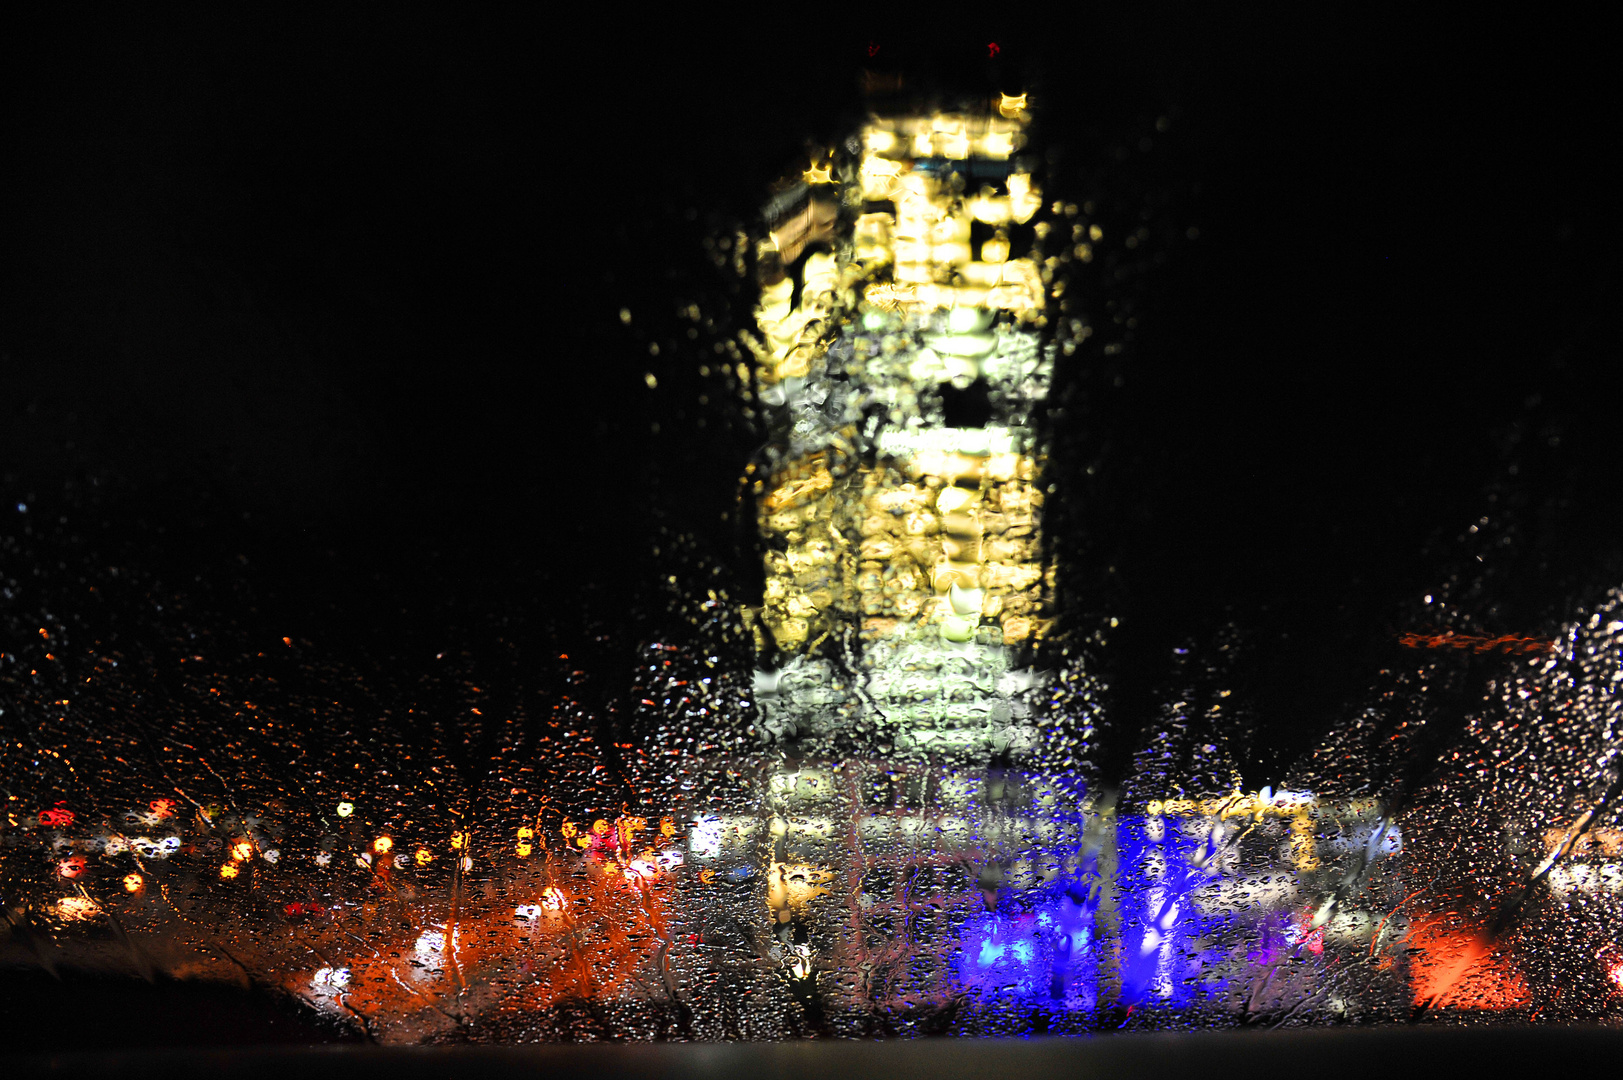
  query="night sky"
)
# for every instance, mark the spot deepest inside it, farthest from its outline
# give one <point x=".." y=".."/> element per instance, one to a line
<point x="343" y="296"/>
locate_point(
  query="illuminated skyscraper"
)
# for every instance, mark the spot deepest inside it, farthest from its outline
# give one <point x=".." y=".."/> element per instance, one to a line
<point x="900" y="360"/>
<point x="901" y="357"/>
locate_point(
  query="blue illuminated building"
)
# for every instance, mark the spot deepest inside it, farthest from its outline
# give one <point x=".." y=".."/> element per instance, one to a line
<point x="907" y="888"/>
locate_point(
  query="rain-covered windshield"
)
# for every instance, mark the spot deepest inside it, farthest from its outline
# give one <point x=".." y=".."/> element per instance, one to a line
<point x="967" y="534"/>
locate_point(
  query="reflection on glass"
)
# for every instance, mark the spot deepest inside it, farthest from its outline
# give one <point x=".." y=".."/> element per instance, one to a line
<point x="904" y="851"/>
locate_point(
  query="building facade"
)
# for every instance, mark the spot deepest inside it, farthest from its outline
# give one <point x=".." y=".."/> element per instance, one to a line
<point x="900" y="359"/>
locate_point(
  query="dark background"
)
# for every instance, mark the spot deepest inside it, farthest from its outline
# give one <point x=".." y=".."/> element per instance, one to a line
<point x="342" y="295"/>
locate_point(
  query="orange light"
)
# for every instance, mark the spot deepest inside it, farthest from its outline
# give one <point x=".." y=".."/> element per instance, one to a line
<point x="241" y="850"/>
<point x="553" y="898"/>
<point x="525" y="832"/>
<point x="569" y="830"/>
<point x="1475" y="643"/>
<point x="382" y="845"/>
<point x="133" y="882"/>
<point x="424" y="856"/>
<point x="600" y="827"/>
<point x="1460" y="968"/>
<point x="524" y="849"/>
<point x="229" y="871"/>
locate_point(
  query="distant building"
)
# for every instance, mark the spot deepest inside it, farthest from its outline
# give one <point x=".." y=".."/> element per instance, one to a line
<point x="900" y="359"/>
<point x="881" y="888"/>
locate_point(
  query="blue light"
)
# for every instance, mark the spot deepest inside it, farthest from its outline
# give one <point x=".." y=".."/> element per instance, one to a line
<point x="1161" y="869"/>
<point x="1003" y="957"/>
<point x="1166" y="945"/>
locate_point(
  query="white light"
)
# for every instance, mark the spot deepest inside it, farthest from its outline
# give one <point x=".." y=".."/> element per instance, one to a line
<point x="431" y="944"/>
<point x="148" y="848"/>
<point x="329" y="979"/>
<point x="704" y="839"/>
<point x="965" y="601"/>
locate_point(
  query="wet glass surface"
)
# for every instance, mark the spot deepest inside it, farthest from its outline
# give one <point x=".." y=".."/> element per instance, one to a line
<point x="991" y="558"/>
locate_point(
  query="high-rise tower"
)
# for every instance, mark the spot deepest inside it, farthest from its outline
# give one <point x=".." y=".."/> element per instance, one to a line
<point x="900" y="359"/>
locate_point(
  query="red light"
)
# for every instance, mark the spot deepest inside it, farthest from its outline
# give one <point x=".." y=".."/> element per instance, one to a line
<point x="1311" y="937"/>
